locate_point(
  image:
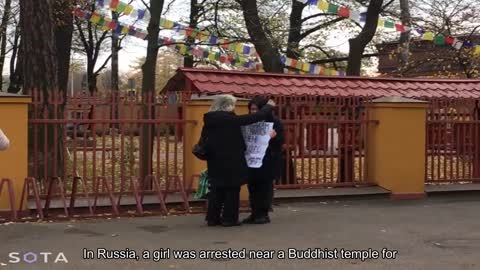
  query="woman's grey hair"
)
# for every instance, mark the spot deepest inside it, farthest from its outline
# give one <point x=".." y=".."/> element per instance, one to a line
<point x="223" y="103"/>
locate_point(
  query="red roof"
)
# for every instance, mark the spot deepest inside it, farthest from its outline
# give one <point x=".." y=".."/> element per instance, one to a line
<point x="262" y="83"/>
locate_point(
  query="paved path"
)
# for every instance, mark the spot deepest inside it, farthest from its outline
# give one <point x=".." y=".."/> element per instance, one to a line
<point x="437" y="233"/>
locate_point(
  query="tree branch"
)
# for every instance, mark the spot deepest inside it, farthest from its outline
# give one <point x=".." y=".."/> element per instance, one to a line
<point x="82" y="36"/>
<point x="315" y="16"/>
<point x="320" y="26"/>
<point x="103" y="66"/>
<point x="341" y="59"/>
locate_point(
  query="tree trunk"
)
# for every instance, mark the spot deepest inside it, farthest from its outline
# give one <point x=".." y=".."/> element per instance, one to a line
<point x="3" y="37"/>
<point x="357" y="47"/>
<point x="115" y="49"/>
<point x="148" y="88"/>
<point x="194" y="10"/>
<point x="295" y="30"/>
<point x="114" y="73"/>
<point x="16" y="65"/>
<point x="38" y="43"/>
<point x="358" y="44"/>
<point x="40" y="72"/>
<point x="63" y="41"/>
<point x="269" y="54"/>
<point x="404" y="46"/>
<point x="91" y="77"/>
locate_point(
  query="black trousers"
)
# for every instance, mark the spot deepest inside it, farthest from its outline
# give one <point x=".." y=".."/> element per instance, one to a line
<point x="260" y="196"/>
<point x="226" y="199"/>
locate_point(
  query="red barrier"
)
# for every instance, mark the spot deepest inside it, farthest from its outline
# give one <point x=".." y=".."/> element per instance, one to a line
<point x="11" y="196"/>
<point x="105" y="186"/>
<point x="31" y="184"/>
<point x="58" y="183"/>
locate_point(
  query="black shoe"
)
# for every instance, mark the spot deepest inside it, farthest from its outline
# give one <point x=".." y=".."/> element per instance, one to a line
<point x="231" y="224"/>
<point x="249" y="220"/>
<point x="261" y="220"/>
<point x="213" y="223"/>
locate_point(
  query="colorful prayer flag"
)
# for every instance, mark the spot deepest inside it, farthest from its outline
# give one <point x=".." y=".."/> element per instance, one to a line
<point x="343" y="12"/>
<point x="95" y="18"/>
<point x="389" y="24"/>
<point x="332" y="8"/>
<point x="121" y="7"/>
<point x="141" y="14"/>
<point x="183" y="49"/>
<point x="114" y="4"/>
<point x="457" y="44"/>
<point x="428" y="36"/>
<point x="299" y="65"/>
<point x="293" y="63"/>
<point x="112" y="25"/>
<point x="355" y="16"/>
<point x="449" y="40"/>
<point x="476" y="51"/>
<point x="399" y="27"/>
<point x="213" y="40"/>
<point x="128" y="10"/>
<point x="381" y="23"/>
<point x="305" y="66"/>
<point x="322" y="5"/>
<point x="239" y="48"/>
<point x="468" y="44"/>
<point x="363" y="17"/>
<point x="288" y="62"/>
<point x="168" y="24"/>
<point x="439" y="40"/>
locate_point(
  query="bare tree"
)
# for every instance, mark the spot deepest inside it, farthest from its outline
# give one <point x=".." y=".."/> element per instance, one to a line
<point x="358" y="44"/>
<point x="3" y="36"/>
<point x="404" y="48"/>
<point x="40" y="71"/>
<point x="148" y="84"/>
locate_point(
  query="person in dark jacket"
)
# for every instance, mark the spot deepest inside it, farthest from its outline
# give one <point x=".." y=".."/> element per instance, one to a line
<point x="260" y="181"/>
<point x="226" y="164"/>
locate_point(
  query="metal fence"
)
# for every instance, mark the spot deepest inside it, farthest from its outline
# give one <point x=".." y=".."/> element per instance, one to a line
<point x="113" y="150"/>
<point x="453" y="141"/>
<point x="325" y="141"/>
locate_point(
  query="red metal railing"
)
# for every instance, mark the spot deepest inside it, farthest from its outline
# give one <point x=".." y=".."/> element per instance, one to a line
<point x="325" y="141"/>
<point x="109" y="149"/>
<point x="453" y="141"/>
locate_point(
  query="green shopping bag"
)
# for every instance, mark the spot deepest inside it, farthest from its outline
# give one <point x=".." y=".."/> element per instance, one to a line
<point x="202" y="189"/>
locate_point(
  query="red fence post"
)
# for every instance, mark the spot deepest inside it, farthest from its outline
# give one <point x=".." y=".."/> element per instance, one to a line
<point x="31" y="182"/>
<point x="11" y="196"/>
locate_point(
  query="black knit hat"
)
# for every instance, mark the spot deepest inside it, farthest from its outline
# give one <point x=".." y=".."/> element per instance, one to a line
<point x="259" y="101"/>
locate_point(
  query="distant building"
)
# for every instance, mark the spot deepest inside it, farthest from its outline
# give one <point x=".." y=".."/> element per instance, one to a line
<point x="426" y="59"/>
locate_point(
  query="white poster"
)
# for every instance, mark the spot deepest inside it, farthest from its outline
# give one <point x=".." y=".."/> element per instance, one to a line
<point x="257" y="137"/>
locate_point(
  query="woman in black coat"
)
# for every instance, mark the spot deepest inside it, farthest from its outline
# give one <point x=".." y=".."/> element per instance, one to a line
<point x="260" y="181"/>
<point x="226" y="164"/>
